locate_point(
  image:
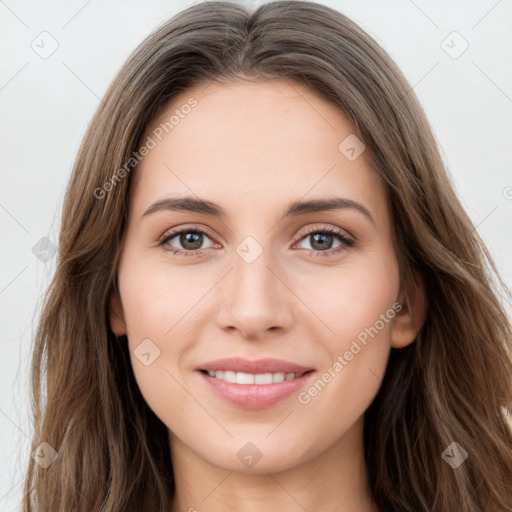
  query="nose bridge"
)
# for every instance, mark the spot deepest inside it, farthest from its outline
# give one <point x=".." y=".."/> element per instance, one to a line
<point x="254" y="299"/>
<point x="252" y="279"/>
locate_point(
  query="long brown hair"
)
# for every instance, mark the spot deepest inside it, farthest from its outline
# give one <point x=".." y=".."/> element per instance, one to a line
<point x="452" y="385"/>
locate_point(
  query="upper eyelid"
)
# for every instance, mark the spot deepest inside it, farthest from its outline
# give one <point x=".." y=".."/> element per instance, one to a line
<point x="171" y="233"/>
<point x="330" y="229"/>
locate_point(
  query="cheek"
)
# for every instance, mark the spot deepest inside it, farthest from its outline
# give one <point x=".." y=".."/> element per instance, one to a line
<point x="357" y="306"/>
<point x="157" y="296"/>
<point x="160" y="305"/>
<point x="350" y="298"/>
<point x="150" y="310"/>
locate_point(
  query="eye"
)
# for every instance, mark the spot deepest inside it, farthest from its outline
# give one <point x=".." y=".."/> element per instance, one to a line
<point x="321" y="241"/>
<point x="191" y="241"/>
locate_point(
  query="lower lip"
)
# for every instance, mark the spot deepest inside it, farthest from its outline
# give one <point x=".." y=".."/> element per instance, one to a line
<point x="255" y="396"/>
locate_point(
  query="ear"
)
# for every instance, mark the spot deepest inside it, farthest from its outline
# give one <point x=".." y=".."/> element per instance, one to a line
<point x="117" y="322"/>
<point x="410" y="319"/>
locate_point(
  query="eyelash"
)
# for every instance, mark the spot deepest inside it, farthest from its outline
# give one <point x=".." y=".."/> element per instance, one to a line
<point x="345" y="241"/>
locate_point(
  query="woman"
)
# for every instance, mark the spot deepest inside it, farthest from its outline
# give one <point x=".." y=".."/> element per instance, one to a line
<point x="200" y="356"/>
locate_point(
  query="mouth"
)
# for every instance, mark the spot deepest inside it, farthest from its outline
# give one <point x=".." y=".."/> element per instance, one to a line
<point x="253" y="383"/>
<point x="254" y="391"/>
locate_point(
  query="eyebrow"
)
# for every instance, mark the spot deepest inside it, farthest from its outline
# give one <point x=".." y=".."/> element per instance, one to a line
<point x="296" y="208"/>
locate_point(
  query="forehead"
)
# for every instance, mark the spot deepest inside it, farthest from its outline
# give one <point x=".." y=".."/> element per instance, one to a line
<point x="264" y="143"/>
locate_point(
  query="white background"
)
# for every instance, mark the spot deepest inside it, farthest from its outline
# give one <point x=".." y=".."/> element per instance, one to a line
<point x="46" y="105"/>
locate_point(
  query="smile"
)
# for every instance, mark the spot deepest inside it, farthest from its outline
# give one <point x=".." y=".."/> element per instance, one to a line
<point x="254" y="391"/>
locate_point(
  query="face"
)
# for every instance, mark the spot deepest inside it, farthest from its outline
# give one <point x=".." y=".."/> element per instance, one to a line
<point x="243" y="276"/>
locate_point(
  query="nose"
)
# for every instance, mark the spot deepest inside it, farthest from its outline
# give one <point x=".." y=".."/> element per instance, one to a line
<point x="255" y="300"/>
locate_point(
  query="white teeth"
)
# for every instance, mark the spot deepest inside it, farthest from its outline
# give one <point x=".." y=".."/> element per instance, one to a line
<point x="244" y="378"/>
<point x="263" y="378"/>
<point x="230" y="376"/>
<point x="250" y="378"/>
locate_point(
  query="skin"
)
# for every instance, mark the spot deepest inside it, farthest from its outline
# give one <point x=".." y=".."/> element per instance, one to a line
<point x="253" y="148"/>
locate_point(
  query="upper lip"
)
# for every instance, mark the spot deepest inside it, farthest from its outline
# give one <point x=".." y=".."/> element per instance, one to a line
<point x="267" y="365"/>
